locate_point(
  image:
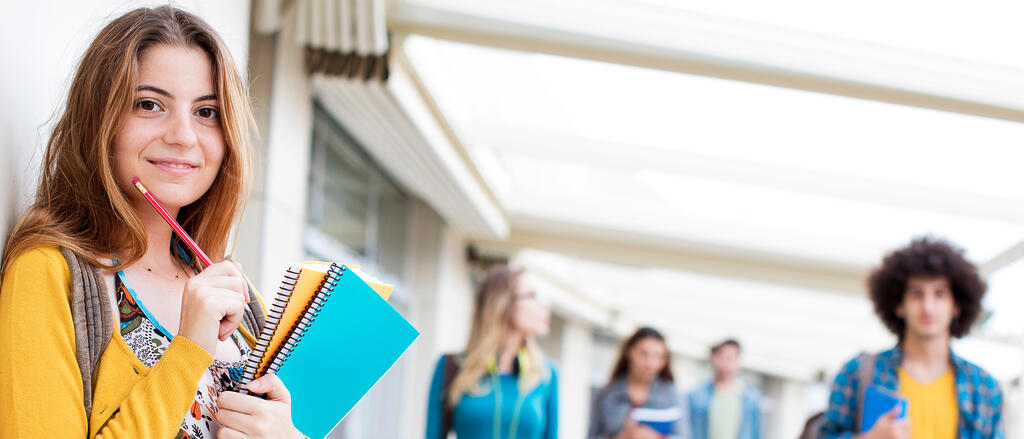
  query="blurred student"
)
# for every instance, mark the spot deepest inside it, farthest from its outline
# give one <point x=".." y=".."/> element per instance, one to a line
<point x="725" y="407"/>
<point x="925" y="293"/>
<point x="501" y="386"/>
<point x="642" y="379"/>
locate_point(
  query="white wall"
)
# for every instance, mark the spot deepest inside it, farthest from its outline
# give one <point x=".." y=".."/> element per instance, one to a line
<point x="577" y="343"/>
<point x="41" y="42"/>
<point x="274" y="225"/>
<point x="423" y="281"/>
<point x="438" y="279"/>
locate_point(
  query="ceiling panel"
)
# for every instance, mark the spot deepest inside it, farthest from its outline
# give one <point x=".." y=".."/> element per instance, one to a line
<point x="869" y="175"/>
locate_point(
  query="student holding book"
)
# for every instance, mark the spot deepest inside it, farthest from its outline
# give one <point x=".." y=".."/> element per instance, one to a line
<point x="641" y="382"/>
<point x="925" y="293"/>
<point x="109" y="326"/>
<point x="501" y="386"/>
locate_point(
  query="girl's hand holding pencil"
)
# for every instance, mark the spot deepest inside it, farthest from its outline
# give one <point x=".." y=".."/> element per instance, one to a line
<point x="213" y="303"/>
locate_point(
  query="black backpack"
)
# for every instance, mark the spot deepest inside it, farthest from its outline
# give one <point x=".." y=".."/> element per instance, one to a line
<point x="451" y="367"/>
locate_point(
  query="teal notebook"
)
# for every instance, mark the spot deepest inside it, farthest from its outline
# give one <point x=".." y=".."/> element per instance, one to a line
<point x="330" y="336"/>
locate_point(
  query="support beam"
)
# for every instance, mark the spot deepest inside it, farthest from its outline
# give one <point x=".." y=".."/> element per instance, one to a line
<point x="1007" y="257"/>
<point x="630" y="250"/>
<point x="557" y="146"/>
<point x="740" y="51"/>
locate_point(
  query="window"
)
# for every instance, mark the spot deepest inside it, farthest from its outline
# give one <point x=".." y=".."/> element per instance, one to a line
<point x="353" y="205"/>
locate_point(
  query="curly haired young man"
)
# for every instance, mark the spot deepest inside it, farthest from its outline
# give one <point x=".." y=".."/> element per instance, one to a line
<point x="926" y="293"/>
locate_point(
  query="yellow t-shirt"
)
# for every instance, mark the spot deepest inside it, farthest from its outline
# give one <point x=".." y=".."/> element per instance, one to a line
<point x="932" y="407"/>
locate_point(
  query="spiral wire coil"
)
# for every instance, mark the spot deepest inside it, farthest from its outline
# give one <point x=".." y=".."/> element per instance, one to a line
<point x="274" y="314"/>
<point x="323" y="292"/>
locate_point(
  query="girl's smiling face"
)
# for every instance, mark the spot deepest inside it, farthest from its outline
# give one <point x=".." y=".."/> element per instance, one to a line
<point x="172" y="138"/>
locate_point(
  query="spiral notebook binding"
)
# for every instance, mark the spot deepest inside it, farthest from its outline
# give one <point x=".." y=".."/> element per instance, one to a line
<point x="323" y="292"/>
<point x="274" y="313"/>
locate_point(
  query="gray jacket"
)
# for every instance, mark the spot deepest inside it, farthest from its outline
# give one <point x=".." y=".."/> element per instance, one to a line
<point x="611" y="406"/>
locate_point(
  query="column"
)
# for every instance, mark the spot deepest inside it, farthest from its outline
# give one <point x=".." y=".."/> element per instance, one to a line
<point x="574" y="378"/>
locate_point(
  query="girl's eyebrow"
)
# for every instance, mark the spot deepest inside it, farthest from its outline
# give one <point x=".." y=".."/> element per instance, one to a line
<point x="161" y="91"/>
<point x="154" y="90"/>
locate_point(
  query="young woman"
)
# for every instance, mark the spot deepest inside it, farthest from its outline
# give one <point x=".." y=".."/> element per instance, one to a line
<point x="156" y="96"/>
<point x="501" y="386"/>
<point x="642" y="378"/>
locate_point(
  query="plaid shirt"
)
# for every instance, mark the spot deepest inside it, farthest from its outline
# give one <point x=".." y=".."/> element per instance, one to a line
<point x="977" y="394"/>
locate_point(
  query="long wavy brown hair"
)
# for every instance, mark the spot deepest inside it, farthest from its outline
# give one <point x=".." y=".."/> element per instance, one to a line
<point x="78" y="204"/>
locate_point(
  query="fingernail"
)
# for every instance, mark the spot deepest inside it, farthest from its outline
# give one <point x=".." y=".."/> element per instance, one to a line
<point x="253" y="385"/>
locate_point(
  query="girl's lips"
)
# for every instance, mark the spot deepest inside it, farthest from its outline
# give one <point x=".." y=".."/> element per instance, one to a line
<point x="177" y="169"/>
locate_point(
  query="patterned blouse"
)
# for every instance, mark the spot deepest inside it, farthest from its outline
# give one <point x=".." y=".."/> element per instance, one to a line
<point x="148" y="339"/>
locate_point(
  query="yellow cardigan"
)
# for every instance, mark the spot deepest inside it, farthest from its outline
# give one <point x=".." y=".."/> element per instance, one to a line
<point x="40" y="382"/>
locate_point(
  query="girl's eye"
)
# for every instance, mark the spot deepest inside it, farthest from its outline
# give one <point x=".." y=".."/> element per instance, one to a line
<point x="147" y="105"/>
<point x="207" y="113"/>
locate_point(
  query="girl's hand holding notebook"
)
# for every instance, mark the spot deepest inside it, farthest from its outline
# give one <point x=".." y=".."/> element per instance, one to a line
<point x="250" y="416"/>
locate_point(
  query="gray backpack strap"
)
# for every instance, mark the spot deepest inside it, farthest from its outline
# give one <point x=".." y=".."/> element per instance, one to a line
<point x="812" y="428"/>
<point x="92" y="313"/>
<point x="255" y="316"/>
<point x="865" y="378"/>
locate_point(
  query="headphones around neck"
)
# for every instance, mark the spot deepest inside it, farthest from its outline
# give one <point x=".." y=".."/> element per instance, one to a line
<point x="523" y="366"/>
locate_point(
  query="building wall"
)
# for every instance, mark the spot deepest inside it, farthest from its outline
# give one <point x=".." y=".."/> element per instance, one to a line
<point x="436" y="283"/>
<point x="273" y="227"/>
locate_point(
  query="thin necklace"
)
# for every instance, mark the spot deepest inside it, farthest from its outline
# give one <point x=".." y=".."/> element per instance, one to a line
<point x="176" y="276"/>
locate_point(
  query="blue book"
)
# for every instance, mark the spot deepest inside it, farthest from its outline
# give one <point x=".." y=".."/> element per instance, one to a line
<point x="877" y="402"/>
<point x="330" y="337"/>
<point x="662" y="421"/>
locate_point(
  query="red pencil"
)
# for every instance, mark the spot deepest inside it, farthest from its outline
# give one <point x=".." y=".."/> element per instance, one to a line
<point x="174" y="224"/>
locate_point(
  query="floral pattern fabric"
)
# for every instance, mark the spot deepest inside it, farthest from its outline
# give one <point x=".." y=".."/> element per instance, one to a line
<point x="148" y="340"/>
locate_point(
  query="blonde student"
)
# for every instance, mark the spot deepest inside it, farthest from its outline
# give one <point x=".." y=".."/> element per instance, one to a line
<point x="108" y="326"/>
<point x="501" y="386"/>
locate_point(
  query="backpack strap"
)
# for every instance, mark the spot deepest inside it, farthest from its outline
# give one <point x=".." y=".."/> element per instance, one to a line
<point x="865" y="378"/>
<point x="91" y="312"/>
<point x="451" y="367"/>
<point x="812" y="428"/>
<point x="254" y="316"/>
